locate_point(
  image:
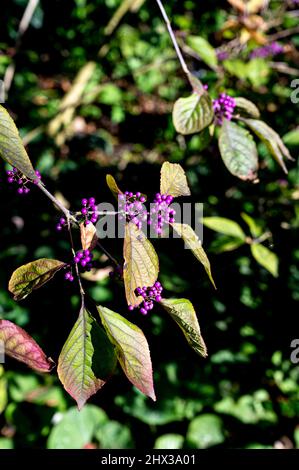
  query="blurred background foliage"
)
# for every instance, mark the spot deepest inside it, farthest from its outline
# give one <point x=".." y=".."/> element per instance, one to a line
<point x="93" y="96"/>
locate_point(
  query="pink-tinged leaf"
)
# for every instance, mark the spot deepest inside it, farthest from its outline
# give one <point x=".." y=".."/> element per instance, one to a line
<point x="19" y="345"/>
<point x="89" y="237"/>
<point x="87" y="359"/>
<point x="33" y="275"/>
<point x="131" y="348"/>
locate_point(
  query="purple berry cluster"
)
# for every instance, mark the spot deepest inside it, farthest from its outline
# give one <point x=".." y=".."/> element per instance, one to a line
<point x="15" y="176"/>
<point x="69" y="276"/>
<point x="160" y="212"/>
<point x="131" y="208"/>
<point x="150" y="295"/>
<point x="274" y="48"/>
<point x="84" y="259"/>
<point x="88" y="211"/>
<point x="223" y="107"/>
<point x="62" y="223"/>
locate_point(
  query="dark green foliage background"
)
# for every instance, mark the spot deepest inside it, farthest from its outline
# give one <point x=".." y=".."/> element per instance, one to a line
<point x="247" y="380"/>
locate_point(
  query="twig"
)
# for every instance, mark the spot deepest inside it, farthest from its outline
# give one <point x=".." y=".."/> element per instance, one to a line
<point x="82" y="293"/>
<point x="173" y="38"/>
<point x="283" y="34"/>
<point x="107" y="253"/>
<point x="23" y="26"/>
<point x="57" y="203"/>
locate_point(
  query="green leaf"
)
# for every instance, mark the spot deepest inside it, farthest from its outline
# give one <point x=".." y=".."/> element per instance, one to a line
<point x="114" y="435"/>
<point x="205" y="431"/>
<point x="173" y="181"/>
<point x="19" y="345"/>
<point x="32" y="276"/>
<point x="223" y="244"/>
<point x="87" y="359"/>
<point x="292" y="138"/>
<point x="141" y="266"/>
<point x="6" y="443"/>
<point x="238" y="151"/>
<point x="112" y="185"/>
<point x="254" y="228"/>
<point x="12" y="149"/>
<point x="204" y="49"/>
<point x="265" y="258"/>
<point x="183" y="313"/>
<point x="246" y="108"/>
<point x="225" y="226"/>
<point x="194" y="244"/>
<point x="76" y="429"/>
<point x="193" y="114"/>
<point x="169" y="441"/>
<point x="271" y="139"/>
<point x="131" y="349"/>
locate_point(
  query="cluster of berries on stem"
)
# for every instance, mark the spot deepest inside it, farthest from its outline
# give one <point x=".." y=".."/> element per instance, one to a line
<point x="272" y="49"/>
<point x="150" y="295"/>
<point x="83" y="258"/>
<point x="131" y="208"/>
<point x="161" y="213"/>
<point x="223" y="107"/>
<point x="88" y="211"/>
<point x="16" y="176"/>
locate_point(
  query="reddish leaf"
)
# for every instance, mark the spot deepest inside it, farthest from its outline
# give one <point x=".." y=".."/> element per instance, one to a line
<point x="19" y="345"/>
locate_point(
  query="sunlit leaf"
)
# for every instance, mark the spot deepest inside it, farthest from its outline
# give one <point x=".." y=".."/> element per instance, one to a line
<point x="87" y="359"/>
<point x="238" y="151"/>
<point x="193" y="114"/>
<point x="3" y="390"/>
<point x="225" y="226"/>
<point x="205" y="431"/>
<point x="89" y="237"/>
<point x="265" y="258"/>
<point x="141" y="266"/>
<point x="204" y="49"/>
<point x="33" y="275"/>
<point x="254" y="228"/>
<point x="19" y="345"/>
<point x="76" y="428"/>
<point x="112" y="185"/>
<point x="271" y="139"/>
<point x="131" y="348"/>
<point x="173" y="180"/>
<point x="195" y="245"/>
<point x="246" y="108"/>
<point x="183" y="313"/>
<point x="11" y="147"/>
<point x="169" y="441"/>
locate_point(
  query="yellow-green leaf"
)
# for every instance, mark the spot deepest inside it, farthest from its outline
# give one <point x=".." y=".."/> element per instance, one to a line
<point x="131" y="349"/>
<point x="32" y="275"/>
<point x="254" y="228"/>
<point x="238" y="151"/>
<point x="204" y="49"/>
<point x="112" y="185"/>
<point x="265" y="258"/>
<point x="173" y="180"/>
<point x="141" y="266"/>
<point x="271" y="139"/>
<point x="87" y="359"/>
<point x="192" y="241"/>
<point x="193" y="114"/>
<point x="183" y="313"/>
<point x="246" y="108"/>
<point x="12" y="149"/>
<point x="225" y="226"/>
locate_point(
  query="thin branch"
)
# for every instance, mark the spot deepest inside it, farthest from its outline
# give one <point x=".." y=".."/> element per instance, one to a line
<point x="82" y="293"/>
<point x="56" y="202"/>
<point x="107" y="253"/>
<point x="173" y="38"/>
<point x="23" y="26"/>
